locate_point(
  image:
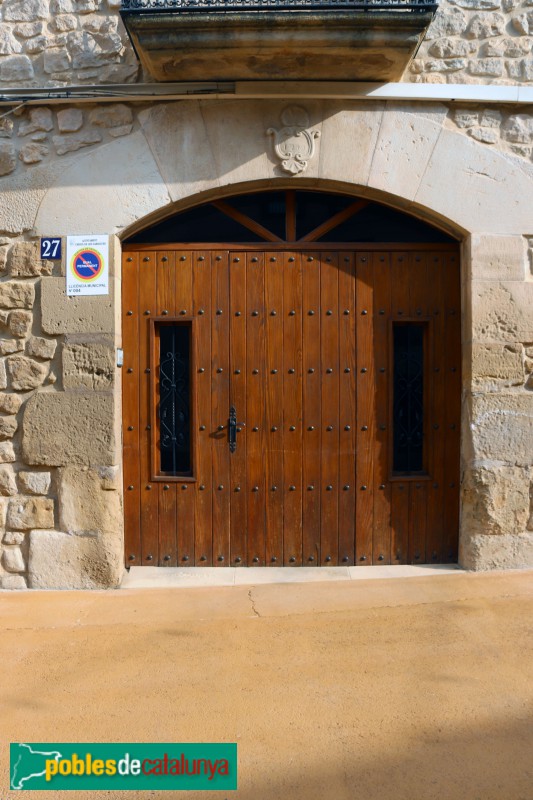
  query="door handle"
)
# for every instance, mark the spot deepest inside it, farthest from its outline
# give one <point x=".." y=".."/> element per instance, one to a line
<point x="234" y="427"/>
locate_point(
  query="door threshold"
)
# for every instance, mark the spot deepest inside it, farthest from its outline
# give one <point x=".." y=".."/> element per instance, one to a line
<point x="180" y="577"/>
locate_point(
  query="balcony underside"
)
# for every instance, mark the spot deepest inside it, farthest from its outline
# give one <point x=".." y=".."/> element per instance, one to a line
<point x="348" y="45"/>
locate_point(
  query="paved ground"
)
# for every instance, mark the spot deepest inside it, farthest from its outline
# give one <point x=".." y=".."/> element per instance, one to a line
<point x="415" y="689"/>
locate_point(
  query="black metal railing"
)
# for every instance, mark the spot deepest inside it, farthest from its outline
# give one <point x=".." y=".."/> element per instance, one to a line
<point x="154" y="6"/>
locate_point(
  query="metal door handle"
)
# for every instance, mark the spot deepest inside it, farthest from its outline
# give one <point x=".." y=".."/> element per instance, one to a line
<point x="233" y="429"/>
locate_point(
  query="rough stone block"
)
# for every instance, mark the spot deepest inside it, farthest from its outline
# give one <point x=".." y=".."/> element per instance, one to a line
<point x="8" y="427"/>
<point x="35" y="482"/>
<point x="14" y="537"/>
<point x="9" y="346"/>
<point x="8" y="484"/>
<point x="518" y="128"/>
<point x="498" y="257"/>
<point x="69" y="120"/>
<point x="85" y="505"/>
<point x="56" y="60"/>
<point x="25" y="373"/>
<point x="508" y="551"/>
<point x="38" y="347"/>
<point x="60" y="560"/>
<point x="485" y="25"/>
<point x="15" y="294"/>
<point x="502" y="312"/>
<point x="8" y="43"/>
<point x="20" y="323"/>
<point x="3" y="374"/>
<point x="502" y="428"/>
<point x="450" y="47"/>
<point x="497" y="365"/>
<point x="33" y="153"/>
<point x="14" y="69"/>
<point x="62" y="314"/>
<point x="10" y="403"/>
<point x="39" y="119"/>
<point x="8" y="158"/>
<point x="447" y="22"/>
<point x="111" y="116"/>
<point x="88" y="365"/>
<point x="24" y="261"/>
<point x="62" y="428"/>
<point x="496" y="500"/>
<point x="487" y="136"/>
<point x="26" y="10"/>
<point x="7" y="453"/>
<point x="13" y="560"/>
<point x="69" y="143"/>
<point x="13" y="582"/>
<point x="24" y="513"/>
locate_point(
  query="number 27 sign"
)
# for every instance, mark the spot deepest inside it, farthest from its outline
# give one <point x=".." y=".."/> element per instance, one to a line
<point x="50" y="248"/>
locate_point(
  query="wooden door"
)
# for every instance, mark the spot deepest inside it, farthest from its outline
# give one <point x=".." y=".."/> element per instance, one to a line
<point x="320" y="405"/>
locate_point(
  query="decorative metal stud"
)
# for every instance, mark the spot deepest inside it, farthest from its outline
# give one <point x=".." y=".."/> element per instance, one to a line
<point x="346" y="311"/>
<point x="131" y="556"/>
<point x="310" y="258"/>
<point x="236" y="260"/>
<point x="255" y="559"/>
<point x="130" y="488"/>
<point x="183" y="311"/>
<point x="329" y="370"/>
<point x="291" y="258"/>
<point x="237" y="372"/>
<point x="255" y="372"/>
<point x="201" y="487"/>
<point x="329" y="488"/>
<point x="183" y="487"/>
<point x="130" y="313"/>
<point x="201" y="369"/>
<point x="130" y="428"/>
<point x="311" y="428"/>
<point x="311" y="370"/>
<point x="255" y="428"/>
<point x="130" y="259"/>
<point x="381" y="485"/>
<point x="255" y="489"/>
<point x="147" y="313"/>
<point x="345" y="559"/>
<point x="292" y="428"/>
<point x="347" y="370"/>
<point x="311" y="558"/>
<point x="220" y="558"/>
<point x="220" y="427"/>
<point x="274" y="488"/>
<point x="383" y="427"/>
<point x="364" y="369"/>
<point x="201" y="311"/>
<point x="203" y="558"/>
<point x="273" y="428"/>
<point x="220" y="369"/>
<point x="292" y="312"/>
<point x="255" y="259"/>
<point x="346" y="487"/>
<point x="363" y="488"/>
<point x="219" y="312"/>
<point x="200" y="258"/>
<point x="238" y="560"/>
<point x="274" y="371"/>
<point x="238" y="313"/>
<point x="291" y="371"/>
<point x="273" y="313"/>
<point x="364" y="427"/>
<point x="329" y="312"/>
<point x="146" y="258"/>
<point x="149" y="557"/>
<point x="148" y="428"/>
<point x="329" y="428"/>
<point x="363" y="558"/>
<point x="166" y="487"/>
<point x="202" y="427"/>
<point x="164" y="312"/>
<point x="220" y="487"/>
<point x="347" y="428"/>
<point x="311" y="313"/>
<point x="147" y="370"/>
<point x="328" y="558"/>
<point x="255" y="313"/>
<point x="237" y="488"/>
<point x="273" y="258"/>
<point x="310" y="488"/>
<point x="382" y="370"/>
<point x="292" y="559"/>
<point x="381" y="557"/>
<point x="364" y="312"/>
<point x="292" y="488"/>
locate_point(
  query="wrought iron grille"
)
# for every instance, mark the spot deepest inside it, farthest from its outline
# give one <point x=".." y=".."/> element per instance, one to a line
<point x="408" y="405"/>
<point x="154" y="6"/>
<point x="174" y="398"/>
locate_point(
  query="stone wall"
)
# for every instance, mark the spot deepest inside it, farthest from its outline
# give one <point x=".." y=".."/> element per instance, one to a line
<point x="60" y="508"/>
<point x="75" y="42"/>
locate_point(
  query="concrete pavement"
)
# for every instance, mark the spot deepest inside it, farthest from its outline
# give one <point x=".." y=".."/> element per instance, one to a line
<point x="413" y="689"/>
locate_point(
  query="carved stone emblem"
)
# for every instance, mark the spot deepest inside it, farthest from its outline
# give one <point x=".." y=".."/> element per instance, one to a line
<point x="294" y="144"/>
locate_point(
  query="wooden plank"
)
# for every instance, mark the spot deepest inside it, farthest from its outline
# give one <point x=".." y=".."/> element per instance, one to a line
<point x="334" y="221"/>
<point x="275" y="491"/>
<point x="185" y="492"/>
<point x="166" y="301"/>
<point x="366" y="423"/>
<point x="149" y="490"/>
<point x="238" y="494"/>
<point x="381" y="545"/>
<point x="329" y="429"/>
<point x="453" y="408"/>
<point x="437" y="408"/>
<point x="400" y="522"/>
<point x="347" y="408"/>
<point x="130" y="408"/>
<point x="292" y="405"/>
<point x="417" y="522"/>
<point x="202" y="343"/>
<point x="246" y="221"/>
<point x="220" y="403"/>
<point x="255" y="408"/>
<point x="400" y="491"/>
<point x="312" y="402"/>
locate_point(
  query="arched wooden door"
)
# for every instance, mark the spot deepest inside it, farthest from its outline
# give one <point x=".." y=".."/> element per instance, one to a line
<point x="290" y="403"/>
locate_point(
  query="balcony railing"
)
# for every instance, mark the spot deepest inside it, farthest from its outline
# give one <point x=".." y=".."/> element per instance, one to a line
<point x="166" y="6"/>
